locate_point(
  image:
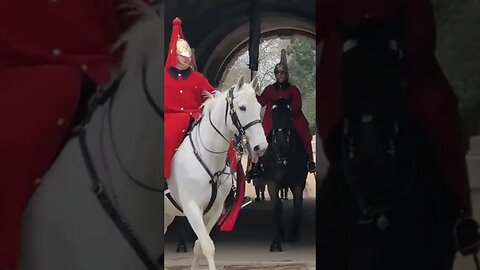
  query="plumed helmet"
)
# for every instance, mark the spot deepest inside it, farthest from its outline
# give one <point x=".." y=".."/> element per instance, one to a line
<point x="282" y="66"/>
<point x="178" y="45"/>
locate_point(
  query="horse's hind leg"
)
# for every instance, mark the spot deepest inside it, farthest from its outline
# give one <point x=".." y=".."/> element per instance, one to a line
<point x="294" y="233"/>
<point x="195" y="218"/>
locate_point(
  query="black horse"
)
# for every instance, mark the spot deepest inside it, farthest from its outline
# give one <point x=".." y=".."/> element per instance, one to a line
<point x="384" y="203"/>
<point x="285" y="166"/>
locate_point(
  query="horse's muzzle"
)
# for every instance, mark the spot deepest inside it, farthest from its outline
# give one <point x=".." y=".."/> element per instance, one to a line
<point x="260" y="149"/>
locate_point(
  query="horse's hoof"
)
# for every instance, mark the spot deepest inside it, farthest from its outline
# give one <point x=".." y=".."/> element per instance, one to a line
<point x="257" y="199"/>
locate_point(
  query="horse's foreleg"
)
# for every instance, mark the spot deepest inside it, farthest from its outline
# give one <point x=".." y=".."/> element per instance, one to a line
<point x="277" y="217"/>
<point x="294" y="233"/>
<point x="210" y="220"/>
<point x="195" y="218"/>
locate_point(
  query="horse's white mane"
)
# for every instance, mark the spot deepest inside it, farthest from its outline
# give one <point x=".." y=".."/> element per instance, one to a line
<point x="212" y="100"/>
<point x="144" y="36"/>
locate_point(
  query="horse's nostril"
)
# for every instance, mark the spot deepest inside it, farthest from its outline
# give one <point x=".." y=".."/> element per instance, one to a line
<point x="256" y="148"/>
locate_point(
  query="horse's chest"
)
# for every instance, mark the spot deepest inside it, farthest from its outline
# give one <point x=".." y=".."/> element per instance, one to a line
<point x="378" y="157"/>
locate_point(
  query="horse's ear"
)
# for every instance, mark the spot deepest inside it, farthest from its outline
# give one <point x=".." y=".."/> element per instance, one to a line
<point x="254" y="82"/>
<point x="258" y="91"/>
<point x="240" y="82"/>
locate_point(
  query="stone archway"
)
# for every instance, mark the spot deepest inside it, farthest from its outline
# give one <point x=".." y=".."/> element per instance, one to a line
<point x="218" y="30"/>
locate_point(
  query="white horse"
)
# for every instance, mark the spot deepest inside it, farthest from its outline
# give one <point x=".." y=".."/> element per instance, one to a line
<point x="189" y="183"/>
<point x="100" y="205"/>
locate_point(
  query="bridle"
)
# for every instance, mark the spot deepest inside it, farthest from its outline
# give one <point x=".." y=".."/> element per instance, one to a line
<point x="110" y="205"/>
<point x="242" y="135"/>
<point x="158" y="111"/>
<point x="280" y="160"/>
<point x="240" y="145"/>
<point x="240" y="139"/>
<point x="372" y="214"/>
<point x="151" y="102"/>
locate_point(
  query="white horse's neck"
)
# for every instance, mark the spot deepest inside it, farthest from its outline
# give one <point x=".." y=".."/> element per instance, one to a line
<point x="208" y="140"/>
<point x="137" y="129"/>
<point x="127" y="143"/>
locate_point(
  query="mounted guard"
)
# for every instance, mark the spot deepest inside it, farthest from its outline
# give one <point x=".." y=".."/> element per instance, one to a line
<point x="283" y="89"/>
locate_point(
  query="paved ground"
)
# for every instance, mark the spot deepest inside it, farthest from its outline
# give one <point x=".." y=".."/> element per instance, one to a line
<point x="248" y="246"/>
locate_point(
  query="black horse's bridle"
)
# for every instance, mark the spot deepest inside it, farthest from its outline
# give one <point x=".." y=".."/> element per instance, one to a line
<point x="280" y="160"/>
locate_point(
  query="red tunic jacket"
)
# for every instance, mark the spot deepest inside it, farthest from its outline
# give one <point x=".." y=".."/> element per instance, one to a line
<point x="183" y="98"/>
<point x="300" y="123"/>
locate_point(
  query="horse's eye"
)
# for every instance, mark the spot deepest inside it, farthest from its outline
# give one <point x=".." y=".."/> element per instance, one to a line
<point x="242" y="108"/>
